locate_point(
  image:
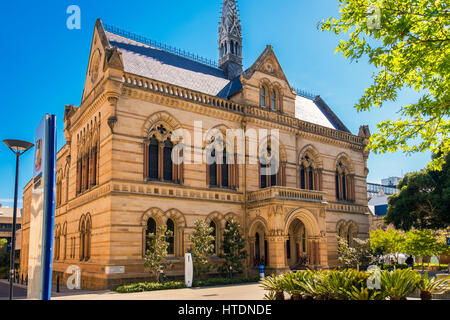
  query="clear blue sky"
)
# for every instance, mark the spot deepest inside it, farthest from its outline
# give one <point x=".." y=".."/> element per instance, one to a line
<point x="44" y="63"/>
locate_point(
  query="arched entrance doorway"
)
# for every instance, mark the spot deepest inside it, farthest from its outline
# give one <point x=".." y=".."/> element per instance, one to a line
<point x="297" y="249"/>
<point x="259" y="250"/>
<point x="303" y="241"/>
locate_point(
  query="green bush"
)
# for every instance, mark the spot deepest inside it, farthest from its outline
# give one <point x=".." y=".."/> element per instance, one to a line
<point x="149" y="286"/>
<point x="223" y="281"/>
<point x="4" y="272"/>
<point x="426" y="265"/>
<point x="154" y="286"/>
<point x="342" y="285"/>
<point x="399" y="284"/>
<point x="392" y="267"/>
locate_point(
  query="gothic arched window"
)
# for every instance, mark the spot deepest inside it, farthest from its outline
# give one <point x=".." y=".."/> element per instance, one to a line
<point x="268" y="178"/>
<point x="310" y="175"/>
<point x="224" y="173"/>
<point x="171" y="239"/>
<point x="158" y="162"/>
<point x="345" y="183"/>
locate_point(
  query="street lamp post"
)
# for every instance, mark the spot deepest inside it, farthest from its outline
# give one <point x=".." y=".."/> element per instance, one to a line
<point x="18" y="147"/>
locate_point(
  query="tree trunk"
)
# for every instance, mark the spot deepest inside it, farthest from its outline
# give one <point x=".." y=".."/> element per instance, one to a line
<point x="296" y="297"/>
<point x="279" y="295"/>
<point x="426" y="295"/>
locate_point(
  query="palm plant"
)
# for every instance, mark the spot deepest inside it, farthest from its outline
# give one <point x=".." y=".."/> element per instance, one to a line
<point x="270" y="296"/>
<point x="304" y="280"/>
<point x="275" y="286"/>
<point x="292" y="287"/>
<point x="340" y="282"/>
<point x="314" y="285"/>
<point x="429" y="286"/>
<point x="399" y="284"/>
<point x="363" y="294"/>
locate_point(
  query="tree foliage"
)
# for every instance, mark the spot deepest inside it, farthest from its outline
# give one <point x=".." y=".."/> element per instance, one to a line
<point x="408" y="41"/>
<point x="387" y="242"/>
<point x="424" y="243"/>
<point x="233" y="245"/>
<point x="4" y="258"/>
<point x="360" y="254"/>
<point x="423" y="201"/>
<point x="156" y="255"/>
<point x="202" y="247"/>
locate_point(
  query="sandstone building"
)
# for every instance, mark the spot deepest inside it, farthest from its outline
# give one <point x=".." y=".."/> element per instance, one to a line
<point x="116" y="181"/>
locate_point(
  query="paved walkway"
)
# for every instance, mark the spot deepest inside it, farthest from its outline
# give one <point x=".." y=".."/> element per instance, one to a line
<point x="19" y="291"/>
<point x="233" y="292"/>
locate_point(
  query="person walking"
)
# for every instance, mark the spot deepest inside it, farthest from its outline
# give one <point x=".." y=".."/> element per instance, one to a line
<point x="410" y="262"/>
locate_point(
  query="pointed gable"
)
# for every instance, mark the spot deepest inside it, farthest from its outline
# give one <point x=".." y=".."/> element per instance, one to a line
<point x="101" y="58"/>
<point x="267" y="63"/>
<point x="267" y="72"/>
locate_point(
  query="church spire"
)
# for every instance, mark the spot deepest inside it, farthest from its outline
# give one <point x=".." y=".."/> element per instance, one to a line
<point x="230" y="40"/>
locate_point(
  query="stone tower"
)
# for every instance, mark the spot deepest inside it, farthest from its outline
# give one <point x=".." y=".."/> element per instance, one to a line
<point x="230" y="40"/>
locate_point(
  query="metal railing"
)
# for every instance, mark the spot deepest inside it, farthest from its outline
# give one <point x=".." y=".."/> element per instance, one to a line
<point x="305" y="94"/>
<point x="161" y="46"/>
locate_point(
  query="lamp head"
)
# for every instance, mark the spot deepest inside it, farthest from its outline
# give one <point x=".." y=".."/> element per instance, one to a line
<point x="18" y="146"/>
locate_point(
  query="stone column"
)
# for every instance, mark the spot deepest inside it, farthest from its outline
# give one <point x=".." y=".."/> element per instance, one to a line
<point x="277" y="254"/>
<point x="252" y="251"/>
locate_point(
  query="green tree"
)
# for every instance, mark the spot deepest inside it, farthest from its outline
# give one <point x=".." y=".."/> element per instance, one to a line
<point x="423" y="201"/>
<point x="387" y="242"/>
<point x="408" y="42"/>
<point x="233" y="246"/>
<point x="4" y="259"/>
<point x="156" y="254"/>
<point x="360" y="254"/>
<point x="424" y="243"/>
<point x="202" y="247"/>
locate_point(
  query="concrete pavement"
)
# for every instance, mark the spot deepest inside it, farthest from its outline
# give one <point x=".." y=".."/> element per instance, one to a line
<point x="19" y="291"/>
<point x="233" y="292"/>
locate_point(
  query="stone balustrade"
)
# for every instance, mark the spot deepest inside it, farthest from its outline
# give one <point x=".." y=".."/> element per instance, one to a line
<point x="286" y="193"/>
<point x="265" y="114"/>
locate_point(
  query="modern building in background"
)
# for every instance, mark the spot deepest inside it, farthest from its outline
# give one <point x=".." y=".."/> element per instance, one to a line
<point x="117" y="183"/>
<point x="388" y="186"/>
<point x="378" y="195"/>
<point x="6" y="226"/>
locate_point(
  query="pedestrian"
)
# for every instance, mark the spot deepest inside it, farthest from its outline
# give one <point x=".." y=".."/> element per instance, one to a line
<point x="410" y="262"/>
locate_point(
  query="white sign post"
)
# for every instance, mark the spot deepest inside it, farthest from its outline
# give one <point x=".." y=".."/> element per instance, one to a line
<point x="188" y="270"/>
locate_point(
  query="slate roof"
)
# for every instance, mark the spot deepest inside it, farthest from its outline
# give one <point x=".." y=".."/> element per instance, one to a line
<point x="307" y="110"/>
<point x="146" y="61"/>
<point x="154" y="63"/>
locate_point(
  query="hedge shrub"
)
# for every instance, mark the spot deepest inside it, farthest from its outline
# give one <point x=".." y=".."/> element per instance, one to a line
<point x="154" y="286"/>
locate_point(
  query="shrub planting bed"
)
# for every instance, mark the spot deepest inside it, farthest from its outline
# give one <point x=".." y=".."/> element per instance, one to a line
<point x="353" y="285"/>
<point x="154" y="286"/>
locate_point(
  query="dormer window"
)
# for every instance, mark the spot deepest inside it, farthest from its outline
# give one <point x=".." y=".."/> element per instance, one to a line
<point x="263" y="96"/>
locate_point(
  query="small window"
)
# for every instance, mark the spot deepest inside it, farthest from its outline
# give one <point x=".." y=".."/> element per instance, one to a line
<point x="153" y="157"/>
<point x="171" y="239"/>
<point x="214" y="234"/>
<point x="151" y="229"/>
<point x="167" y="161"/>
<point x="263" y="96"/>
<point x="274" y="100"/>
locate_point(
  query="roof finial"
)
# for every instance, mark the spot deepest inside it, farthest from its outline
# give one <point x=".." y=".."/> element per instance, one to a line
<point x="230" y="40"/>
